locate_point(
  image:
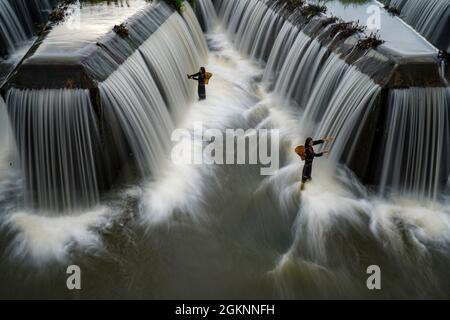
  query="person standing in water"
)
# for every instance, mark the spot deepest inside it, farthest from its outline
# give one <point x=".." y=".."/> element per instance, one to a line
<point x="309" y="158"/>
<point x="202" y="77"/>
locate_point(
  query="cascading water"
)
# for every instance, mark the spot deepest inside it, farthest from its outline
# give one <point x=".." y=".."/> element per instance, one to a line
<point x="207" y="14"/>
<point x="12" y="32"/>
<point x="347" y="113"/>
<point x="431" y="18"/>
<point x="225" y="231"/>
<point x="154" y="97"/>
<point x="281" y="48"/>
<point x="56" y="134"/>
<point x="300" y="69"/>
<point x="18" y="19"/>
<point x="144" y="97"/>
<point x="252" y="24"/>
<point x="141" y="114"/>
<point x="6" y="140"/>
<point x="417" y="145"/>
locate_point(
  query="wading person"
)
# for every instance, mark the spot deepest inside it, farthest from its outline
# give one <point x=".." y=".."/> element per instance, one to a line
<point x="308" y="154"/>
<point x="203" y="79"/>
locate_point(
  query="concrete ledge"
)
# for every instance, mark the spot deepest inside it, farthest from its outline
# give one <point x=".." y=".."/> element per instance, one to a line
<point x="387" y="69"/>
<point x="73" y="72"/>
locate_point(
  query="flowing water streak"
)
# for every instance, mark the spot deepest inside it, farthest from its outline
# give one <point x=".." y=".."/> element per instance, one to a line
<point x="418" y="143"/>
<point x="141" y="112"/>
<point x="270" y="27"/>
<point x="6" y="139"/>
<point x="281" y="48"/>
<point x="327" y="84"/>
<point x="18" y="19"/>
<point x="347" y="111"/>
<point x="230" y="13"/>
<point x="207" y="14"/>
<point x="56" y="134"/>
<point x="443" y="67"/>
<point x="301" y="69"/>
<point x="12" y="33"/>
<point x="196" y="33"/>
<point x="253" y="25"/>
<point x="31" y="12"/>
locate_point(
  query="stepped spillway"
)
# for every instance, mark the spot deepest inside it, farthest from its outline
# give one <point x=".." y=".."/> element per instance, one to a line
<point x="20" y="20"/>
<point x="77" y="124"/>
<point x="160" y="229"/>
<point x="354" y="94"/>
<point x="431" y="18"/>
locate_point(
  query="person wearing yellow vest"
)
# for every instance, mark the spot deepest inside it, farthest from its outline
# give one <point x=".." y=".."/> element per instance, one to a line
<point x="203" y="79"/>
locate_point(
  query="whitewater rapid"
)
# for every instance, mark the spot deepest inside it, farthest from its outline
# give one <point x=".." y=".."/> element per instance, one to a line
<point x="225" y="231"/>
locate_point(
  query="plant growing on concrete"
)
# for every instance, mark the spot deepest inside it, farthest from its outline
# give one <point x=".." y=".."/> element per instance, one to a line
<point x="370" y="42"/>
<point x="292" y="5"/>
<point x="346" y="29"/>
<point x="179" y="4"/>
<point x="330" y="20"/>
<point x="58" y="14"/>
<point x="312" y="10"/>
<point x="121" y="30"/>
<point x="71" y="84"/>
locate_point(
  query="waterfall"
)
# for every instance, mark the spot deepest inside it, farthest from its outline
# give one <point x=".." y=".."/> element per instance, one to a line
<point x="431" y="18"/>
<point x="207" y="15"/>
<point x="329" y="79"/>
<point x="6" y="140"/>
<point x="18" y="19"/>
<point x="347" y="112"/>
<point x="281" y="48"/>
<point x="336" y="98"/>
<point x="443" y="67"/>
<point x="69" y="139"/>
<point x="300" y="69"/>
<point x="12" y="32"/>
<point x="57" y="137"/>
<point x="417" y="143"/>
<point x="196" y="32"/>
<point x="252" y="24"/>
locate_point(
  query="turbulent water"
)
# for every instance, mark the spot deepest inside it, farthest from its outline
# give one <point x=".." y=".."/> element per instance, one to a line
<point x="225" y="231"/>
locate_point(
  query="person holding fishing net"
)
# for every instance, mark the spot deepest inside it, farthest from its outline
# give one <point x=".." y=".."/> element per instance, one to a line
<point x="308" y="154"/>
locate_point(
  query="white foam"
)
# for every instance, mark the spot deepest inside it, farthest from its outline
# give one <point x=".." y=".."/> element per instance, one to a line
<point x="40" y="239"/>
